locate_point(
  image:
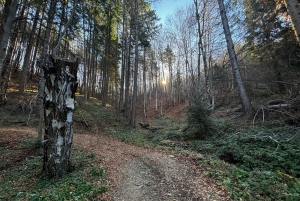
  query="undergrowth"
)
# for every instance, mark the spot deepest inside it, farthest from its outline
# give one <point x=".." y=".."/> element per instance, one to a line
<point x="259" y="163"/>
<point x="131" y="136"/>
<point x="25" y="181"/>
<point x="262" y="163"/>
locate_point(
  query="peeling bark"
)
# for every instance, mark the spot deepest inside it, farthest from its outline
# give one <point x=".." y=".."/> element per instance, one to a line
<point x="59" y="94"/>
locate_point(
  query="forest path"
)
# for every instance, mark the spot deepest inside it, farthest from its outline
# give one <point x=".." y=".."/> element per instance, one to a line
<point x="141" y="174"/>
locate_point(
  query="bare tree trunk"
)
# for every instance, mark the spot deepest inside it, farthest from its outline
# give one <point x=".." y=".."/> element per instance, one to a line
<point x="61" y="34"/>
<point x="105" y="84"/>
<point x="124" y="58"/>
<point x="28" y="52"/>
<point x="127" y="77"/>
<point x="41" y="85"/>
<point x="156" y="87"/>
<point x="89" y="63"/>
<point x="161" y="107"/>
<point x="4" y="14"/>
<point x="13" y="41"/>
<point x="202" y="51"/>
<point x="59" y="94"/>
<point x="36" y="46"/>
<point x="199" y="46"/>
<point x="6" y="31"/>
<point x="92" y="63"/>
<point x="150" y="81"/>
<point x="293" y="9"/>
<point x="144" y="84"/>
<point x="85" y="90"/>
<point x="171" y="84"/>
<point x="6" y="69"/>
<point x="18" y="52"/>
<point x="134" y="96"/>
<point x="187" y="66"/>
<point x="233" y="59"/>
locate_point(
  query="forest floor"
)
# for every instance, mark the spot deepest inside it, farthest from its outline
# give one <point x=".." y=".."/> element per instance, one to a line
<point x="114" y="162"/>
<point x="146" y="174"/>
<point x="133" y="173"/>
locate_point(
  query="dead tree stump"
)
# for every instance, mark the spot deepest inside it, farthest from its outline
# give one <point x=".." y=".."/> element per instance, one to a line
<point x="59" y="94"/>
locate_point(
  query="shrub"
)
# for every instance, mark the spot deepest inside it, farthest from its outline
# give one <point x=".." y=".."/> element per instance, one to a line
<point x="199" y="119"/>
<point x="32" y="143"/>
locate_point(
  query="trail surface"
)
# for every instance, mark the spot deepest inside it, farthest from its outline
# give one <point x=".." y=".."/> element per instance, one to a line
<point x="140" y="174"/>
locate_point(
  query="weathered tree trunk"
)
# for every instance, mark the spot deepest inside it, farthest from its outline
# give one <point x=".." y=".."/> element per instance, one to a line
<point x="59" y="94"/>
<point x="233" y="59"/>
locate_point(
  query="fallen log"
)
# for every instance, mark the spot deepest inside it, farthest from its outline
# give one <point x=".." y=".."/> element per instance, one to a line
<point x="144" y="125"/>
<point x="147" y="126"/>
<point x="279" y="106"/>
<point x="155" y="128"/>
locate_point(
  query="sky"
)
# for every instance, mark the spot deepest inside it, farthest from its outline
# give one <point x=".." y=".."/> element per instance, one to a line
<point x="168" y="7"/>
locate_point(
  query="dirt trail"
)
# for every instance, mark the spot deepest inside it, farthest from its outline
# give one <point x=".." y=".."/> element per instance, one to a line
<point x="140" y="174"/>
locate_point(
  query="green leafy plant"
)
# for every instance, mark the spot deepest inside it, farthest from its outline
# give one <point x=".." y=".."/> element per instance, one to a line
<point x="263" y="163"/>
